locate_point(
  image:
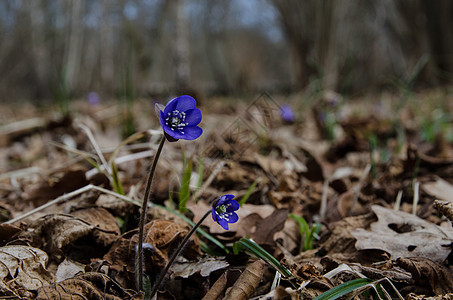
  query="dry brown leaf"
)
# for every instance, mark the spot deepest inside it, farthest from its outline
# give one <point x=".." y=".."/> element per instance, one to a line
<point x="95" y="286"/>
<point x="267" y="227"/>
<point x="217" y="288"/>
<point x="445" y="208"/>
<point x="340" y="242"/>
<point x="203" y="266"/>
<point x="439" y="189"/>
<point x="161" y="239"/>
<point x="405" y="235"/>
<point x="101" y="219"/>
<point x="71" y="181"/>
<point x="68" y="269"/>
<point x="413" y="296"/>
<point x="247" y="283"/>
<point x="7" y="231"/>
<point x="428" y="274"/>
<point x="57" y="231"/>
<point x="23" y="267"/>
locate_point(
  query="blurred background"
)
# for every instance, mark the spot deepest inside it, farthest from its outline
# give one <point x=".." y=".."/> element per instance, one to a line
<point x="53" y="49"/>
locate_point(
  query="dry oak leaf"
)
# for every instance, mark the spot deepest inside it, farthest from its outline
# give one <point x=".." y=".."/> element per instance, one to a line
<point x="161" y="238"/>
<point x="60" y="230"/>
<point x="203" y="266"/>
<point x="445" y="208"/>
<point x="413" y="296"/>
<point x="427" y="273"/>
<point x="23" y="267"/>
<point x="94" y="286"/>
<point x="247" y="283"/>
<point x="405" y="235"/>
<point x="439" y="189"/>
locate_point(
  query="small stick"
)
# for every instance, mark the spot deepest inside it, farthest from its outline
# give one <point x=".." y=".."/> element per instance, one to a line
<point x="69" y="196"/>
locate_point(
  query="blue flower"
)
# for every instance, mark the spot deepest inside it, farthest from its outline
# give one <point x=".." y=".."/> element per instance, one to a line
<point x="180" y="118"/>
<point x="223" y="210"/>
<point x="287" y="113"/>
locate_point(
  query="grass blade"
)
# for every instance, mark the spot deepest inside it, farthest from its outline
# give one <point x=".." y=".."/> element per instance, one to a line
<point x="343" y="289"/>
<point x="184" y="192"/>
<point x="259" y="252"/>
<point x="249" y="192"/>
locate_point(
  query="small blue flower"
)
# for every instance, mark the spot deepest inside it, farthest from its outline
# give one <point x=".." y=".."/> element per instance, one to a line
<point x="93" y="98"/>
<point x="180" y="118"/>
<point x="287" y="113"/>
<point x="223" y="210"/>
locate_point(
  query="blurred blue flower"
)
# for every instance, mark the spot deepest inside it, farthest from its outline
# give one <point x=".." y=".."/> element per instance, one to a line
<point x="93" y="98"/>
<point x="223" y="210"/>
<point x="287" y="113"/>
<point x="179" y="119"/>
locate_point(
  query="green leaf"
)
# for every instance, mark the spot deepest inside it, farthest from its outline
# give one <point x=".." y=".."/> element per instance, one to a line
<point x="343" y="289"/>
<point x="256" y="250"/>
<point x="200" y="173"/>
<point x="184" y="192"/>
<point x="117" y="186"/>
<point x="305" y="232"/>
<point x="249" y="192"/>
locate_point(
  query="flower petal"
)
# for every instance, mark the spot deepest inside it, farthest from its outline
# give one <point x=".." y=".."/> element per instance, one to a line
<point x="223" y="223"/>
<point x="231" y="205"/>
<point x="174" y="133"/>
<point x="233" y="218"/>
<point x="181" y="103"/>
<point x="214" y="215"/>
<point x="191" y="133"/>
<point x="193" y="117"/>
<point x="223" y="199"/>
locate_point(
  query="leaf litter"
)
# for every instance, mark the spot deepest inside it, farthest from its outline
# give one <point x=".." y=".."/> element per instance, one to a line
<point x="375" y="222"/>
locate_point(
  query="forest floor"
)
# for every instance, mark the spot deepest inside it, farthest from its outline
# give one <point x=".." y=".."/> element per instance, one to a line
<point x="357" y="189"/>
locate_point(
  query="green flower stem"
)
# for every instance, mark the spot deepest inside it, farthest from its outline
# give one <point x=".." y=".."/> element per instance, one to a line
<point x="141" y="227"/>
<point x="176" y="253"/>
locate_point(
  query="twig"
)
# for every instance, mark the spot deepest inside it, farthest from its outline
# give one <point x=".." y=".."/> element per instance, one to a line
<point x="68" y="196"/>
<point x="208" y="182"/>
<point x="96" y="146"/>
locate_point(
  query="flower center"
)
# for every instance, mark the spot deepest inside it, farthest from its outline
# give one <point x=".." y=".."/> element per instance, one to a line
<point x="176" y="120"/>
<point x="221" y="209"/>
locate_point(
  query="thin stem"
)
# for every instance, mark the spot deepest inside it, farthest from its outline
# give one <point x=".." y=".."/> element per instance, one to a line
<point x="176" y="253"/>
<point x="141" y="227"/>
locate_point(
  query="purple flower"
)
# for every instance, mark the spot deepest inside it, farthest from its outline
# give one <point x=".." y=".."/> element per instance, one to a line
<point x="223" y="210"/>
<point x="93" y="98"/>
<point x="287" y="113"/>
<point x="179" y="119"/>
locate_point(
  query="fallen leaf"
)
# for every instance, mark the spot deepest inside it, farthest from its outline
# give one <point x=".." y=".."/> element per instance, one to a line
<point x="405" y="235"/>
<point x="23" y="267"/>
<point x="160" y="240"/>
<point x="445" y="208"/>
<point x="106" y="225"/>
<point x="7" y="231"/>
<point x="68" y="269"/>
<point x="95" y="286"/>
<point x="46" y="191"/>
<point x="413" y="296"/>
<point x="57" y="231"/>
<point x="247" y="283"/>
<point x="267" y="227"/>
<point x="203" y="266"/>
<point x="217" y="288"/>
<point x="439" y="189"/>
<point x="428" y="274"/>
